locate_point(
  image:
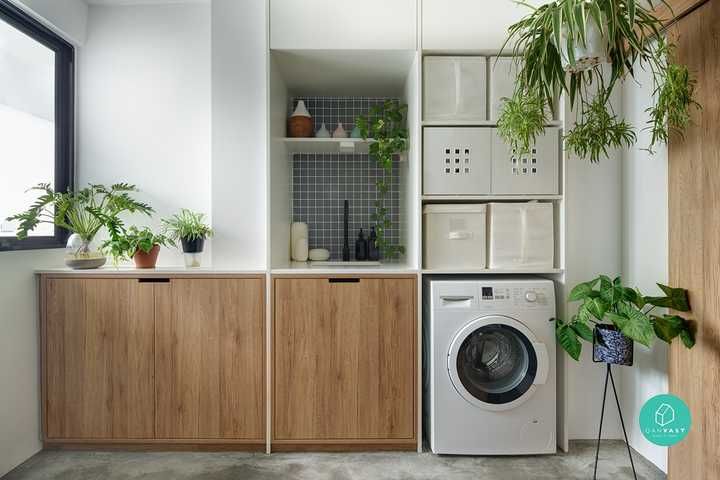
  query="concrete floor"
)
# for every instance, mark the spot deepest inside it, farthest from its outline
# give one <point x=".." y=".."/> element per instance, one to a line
<point x="60" y="465"/>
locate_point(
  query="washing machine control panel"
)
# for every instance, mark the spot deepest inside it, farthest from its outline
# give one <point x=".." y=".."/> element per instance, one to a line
<point x="494" y="296"/>
<point x="516" y="296"/>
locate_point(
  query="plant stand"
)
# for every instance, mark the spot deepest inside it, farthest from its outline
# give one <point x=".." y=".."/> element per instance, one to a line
<point x="622" y="422"/>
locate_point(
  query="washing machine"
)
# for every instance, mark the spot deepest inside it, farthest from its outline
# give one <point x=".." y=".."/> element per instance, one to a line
<point x="489" y="366"/>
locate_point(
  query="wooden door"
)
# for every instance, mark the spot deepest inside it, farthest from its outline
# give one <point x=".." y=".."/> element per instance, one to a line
<point x="98" y="362"/>
<point x="344" y="359"/>
<point x="210" y="363"/>
<point x="694" y="246"/>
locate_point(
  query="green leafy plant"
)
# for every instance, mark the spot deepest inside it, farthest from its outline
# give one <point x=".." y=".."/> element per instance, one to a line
<point x="84" y="212"/>
<point x="386" y="125"/>
<point x="187" y="225"/>
<point x="544" y="43"/>
<point x="124" y="243"/>
<point x="523" y="119"/>
<point x="598" y="130"/>
<point x="609" y="301"/>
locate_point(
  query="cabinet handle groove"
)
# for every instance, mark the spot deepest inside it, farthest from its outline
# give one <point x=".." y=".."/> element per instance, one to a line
<point x="344" y="280"/>
<point x="153" y="280"/>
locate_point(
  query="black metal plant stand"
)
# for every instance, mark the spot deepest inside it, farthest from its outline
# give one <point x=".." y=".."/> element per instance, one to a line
<point x="622" y="422"/>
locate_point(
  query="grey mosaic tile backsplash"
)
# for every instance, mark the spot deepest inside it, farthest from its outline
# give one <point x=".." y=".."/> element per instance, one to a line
<point x="321" y="182"/>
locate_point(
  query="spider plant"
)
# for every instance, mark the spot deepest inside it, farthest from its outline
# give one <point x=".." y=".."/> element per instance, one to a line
<point x="187" y="225"/>
<point x="549" y="44"/>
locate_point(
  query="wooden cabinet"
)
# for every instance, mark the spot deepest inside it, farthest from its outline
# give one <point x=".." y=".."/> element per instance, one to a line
<point x="152" y="360"/>
<point x="99" y="364"/>
<point x="209" y="361"/>
<point x="344" y="361"/>
<point x="368" y="25"/>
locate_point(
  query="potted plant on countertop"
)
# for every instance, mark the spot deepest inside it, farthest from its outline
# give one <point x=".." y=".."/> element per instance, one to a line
<point x="190" y="229"/>
<point x="585" y="49"/>
<point x="613" y="316"/>
<point x="83" y="213"/>
<point x="140" y="244"/>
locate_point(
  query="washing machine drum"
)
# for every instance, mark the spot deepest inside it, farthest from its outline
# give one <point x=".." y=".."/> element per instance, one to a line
<point x="495" y="362"/>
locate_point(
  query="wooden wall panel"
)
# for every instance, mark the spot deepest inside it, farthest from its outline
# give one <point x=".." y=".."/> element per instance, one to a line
<point x="694" y="243"/>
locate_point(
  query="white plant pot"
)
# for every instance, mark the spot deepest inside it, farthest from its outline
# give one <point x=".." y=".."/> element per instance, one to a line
<point x="587" y="56"/>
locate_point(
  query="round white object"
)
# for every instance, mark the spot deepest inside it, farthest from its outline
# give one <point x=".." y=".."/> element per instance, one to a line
<point x="319" y="254"/>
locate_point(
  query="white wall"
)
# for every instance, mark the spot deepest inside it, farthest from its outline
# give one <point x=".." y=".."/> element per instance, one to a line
<point x="19" y="341"/>
<point x="593" y="247"/>
<point x="144" y="108"/>
<point x="645" y="257"/>
<point x="239" y="137"/>
<point x="67" y="17"/>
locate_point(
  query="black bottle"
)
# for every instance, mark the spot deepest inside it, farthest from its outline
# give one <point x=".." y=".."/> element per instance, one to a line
<point x="361" y="247"/>
<point x="373" y="251"/>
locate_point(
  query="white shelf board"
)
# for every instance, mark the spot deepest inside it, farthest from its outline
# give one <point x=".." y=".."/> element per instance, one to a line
<point x="492" y="271"/>
<point x="486" y="198"/>
<point x="327" y="145"/>
<point x="474" y="123"/>
<point x="351" y="268"/>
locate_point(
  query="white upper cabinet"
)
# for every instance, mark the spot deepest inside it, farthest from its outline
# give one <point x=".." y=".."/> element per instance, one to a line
<point x="342" y="25"/>
<point x="469" y="25"/>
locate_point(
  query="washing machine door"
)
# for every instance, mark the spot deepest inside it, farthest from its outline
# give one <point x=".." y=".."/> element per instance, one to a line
<point x="495" y="362"/>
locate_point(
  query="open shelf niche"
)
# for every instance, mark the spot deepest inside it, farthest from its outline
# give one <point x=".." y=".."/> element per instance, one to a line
<point x="311" y="177"/>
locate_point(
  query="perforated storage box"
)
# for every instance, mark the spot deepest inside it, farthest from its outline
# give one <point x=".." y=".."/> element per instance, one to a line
<point x="454" y="236"/>
<point x="521" y="235"/>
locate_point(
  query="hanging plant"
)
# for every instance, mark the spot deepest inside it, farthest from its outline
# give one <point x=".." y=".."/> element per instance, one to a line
<point x="386" y="125"/>
<point x="585" y="48"/>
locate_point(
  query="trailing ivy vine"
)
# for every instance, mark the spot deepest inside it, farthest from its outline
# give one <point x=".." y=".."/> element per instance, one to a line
<point x="385" y="126"/>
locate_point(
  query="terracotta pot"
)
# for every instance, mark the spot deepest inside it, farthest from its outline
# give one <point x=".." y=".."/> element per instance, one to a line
<point x="147" y="260"/>
<point x="300" y="127"/>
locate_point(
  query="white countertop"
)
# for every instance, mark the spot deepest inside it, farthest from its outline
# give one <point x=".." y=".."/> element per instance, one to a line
<point x="158" y="271"/>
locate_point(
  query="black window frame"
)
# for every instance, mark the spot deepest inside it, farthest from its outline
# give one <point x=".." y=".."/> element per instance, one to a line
<point x="64" y="117"/>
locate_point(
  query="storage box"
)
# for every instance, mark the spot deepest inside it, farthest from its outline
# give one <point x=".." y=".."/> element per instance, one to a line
<point x="521" y="235"/>
<point x="454" y="88"/>
<point x="457" y="160"/>
<point x="454" y="236"/>
<point x="533" y="173"/>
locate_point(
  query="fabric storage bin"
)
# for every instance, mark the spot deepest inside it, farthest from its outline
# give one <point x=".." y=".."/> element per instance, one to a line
<point x="455" y="236"/>
<point x="521" y="235"/>
<point x="454" y="88"/>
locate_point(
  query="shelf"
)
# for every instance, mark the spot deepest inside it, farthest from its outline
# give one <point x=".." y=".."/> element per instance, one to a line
<point x="327" y="145"/>
<point x="474" y="123"/>
<point x="487" y="198"/>
<point x="302" y="268"/>
<point x="490" y="271"/>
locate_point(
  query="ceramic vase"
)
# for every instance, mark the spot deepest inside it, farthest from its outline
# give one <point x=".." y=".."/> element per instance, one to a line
<point x="300" y="124"/>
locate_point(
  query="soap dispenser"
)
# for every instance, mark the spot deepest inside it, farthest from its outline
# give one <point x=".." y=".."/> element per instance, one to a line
<point x="361" y="247"/>
<point x="373" y="250"/>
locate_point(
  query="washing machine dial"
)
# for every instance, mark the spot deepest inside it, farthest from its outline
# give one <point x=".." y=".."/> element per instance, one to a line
<point x="531" y="297"/>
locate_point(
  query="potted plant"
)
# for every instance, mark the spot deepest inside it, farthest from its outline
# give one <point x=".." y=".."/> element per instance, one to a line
<point x="613" y="316"/>
<point x="586" y="48"/>
<point x="190" y="229"/>
<point x="84" y="213"/>
<point x="140" y="244"/>
<point x="385" y="126"/>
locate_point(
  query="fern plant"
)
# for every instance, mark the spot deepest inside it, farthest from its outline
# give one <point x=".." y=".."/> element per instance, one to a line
<point x="386" y="125"/>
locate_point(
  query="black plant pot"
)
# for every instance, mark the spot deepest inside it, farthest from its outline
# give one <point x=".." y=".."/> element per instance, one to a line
<point x="611" y="346"/>
<point x="192" y="246"/>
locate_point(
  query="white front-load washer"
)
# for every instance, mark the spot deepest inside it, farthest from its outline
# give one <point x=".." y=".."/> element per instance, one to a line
<point x="489" y="363"/>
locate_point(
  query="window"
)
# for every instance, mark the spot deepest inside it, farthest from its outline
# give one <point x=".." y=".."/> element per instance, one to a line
<point x="36" y="121"/>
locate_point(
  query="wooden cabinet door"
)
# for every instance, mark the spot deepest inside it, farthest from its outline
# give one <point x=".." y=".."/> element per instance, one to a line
<point x="98" y="363"/>
<point x="325" y="25"/>
<point x="344" y="359"/>
<point x="210" y="359"/>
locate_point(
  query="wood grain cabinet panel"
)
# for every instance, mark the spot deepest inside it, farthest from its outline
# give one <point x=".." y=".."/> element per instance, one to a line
<point x="210" y="364"/>
<point x="99" y="368"/>
<point x="344" y="359"/>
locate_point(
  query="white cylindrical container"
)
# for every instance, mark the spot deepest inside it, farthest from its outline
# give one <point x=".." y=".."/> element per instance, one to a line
<point x="299" y="241"/>
<point x="454" y="236"/>
<point x="521" y="235"/>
